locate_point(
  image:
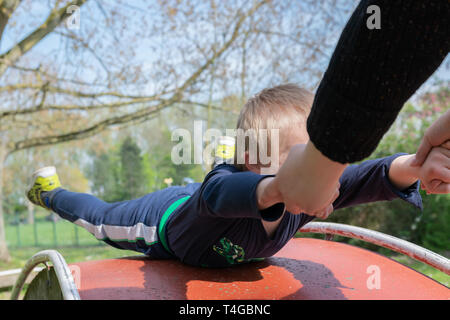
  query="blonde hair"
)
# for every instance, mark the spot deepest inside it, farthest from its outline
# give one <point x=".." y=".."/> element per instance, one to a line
<point x="281" y="107"/>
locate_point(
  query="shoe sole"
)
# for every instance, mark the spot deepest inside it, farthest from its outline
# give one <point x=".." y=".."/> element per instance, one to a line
<point x="42" y="172"/>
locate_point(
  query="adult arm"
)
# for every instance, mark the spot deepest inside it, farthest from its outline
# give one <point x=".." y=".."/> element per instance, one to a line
<point x="371" y="75"/>
<point x="373" y="72"/>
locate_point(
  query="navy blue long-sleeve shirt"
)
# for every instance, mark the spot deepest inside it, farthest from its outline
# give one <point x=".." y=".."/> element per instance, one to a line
<point x="220" y="224"/>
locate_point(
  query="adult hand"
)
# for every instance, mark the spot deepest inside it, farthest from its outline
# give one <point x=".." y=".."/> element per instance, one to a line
<point x="308" y="181"/>
<point x="438" y="133"/>
<point x="435" y="172"/>
<point x="325" y="213"/>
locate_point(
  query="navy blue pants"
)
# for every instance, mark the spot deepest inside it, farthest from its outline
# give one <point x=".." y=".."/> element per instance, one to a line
<point x="130" y="225"/>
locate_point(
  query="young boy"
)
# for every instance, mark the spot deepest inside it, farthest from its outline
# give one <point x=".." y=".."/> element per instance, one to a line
<point x="229" y="218"/>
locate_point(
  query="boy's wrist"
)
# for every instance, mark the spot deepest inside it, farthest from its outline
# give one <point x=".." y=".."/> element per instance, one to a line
<point x="411" y="171"/>
<point x="267" y="193"/>
<point x="401" y="172"/>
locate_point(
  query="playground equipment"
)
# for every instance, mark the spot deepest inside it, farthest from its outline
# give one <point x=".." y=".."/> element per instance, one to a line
<point x="305" y="268"/>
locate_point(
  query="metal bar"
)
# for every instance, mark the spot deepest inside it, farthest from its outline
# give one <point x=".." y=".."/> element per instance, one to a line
<point x="9" y="277"/>
<point x="383" y="240"/>
<point x="63" y="273"/>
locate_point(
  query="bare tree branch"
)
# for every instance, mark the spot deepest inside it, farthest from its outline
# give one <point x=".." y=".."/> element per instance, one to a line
<point x="76" y="107"/>
<point x="76" y="93"/>
<point x="84" y="44"/>
<point x="144" y="112"/>
<point x="40" y="72"/>
<point x="313" y="46"/>
<point x="87" y="132"/>
<point x="7" y="7"/>
<point x="52" y="21"/>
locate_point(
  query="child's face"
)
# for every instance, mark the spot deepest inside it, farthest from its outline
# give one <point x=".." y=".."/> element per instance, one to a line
<point x="287" y="139"/>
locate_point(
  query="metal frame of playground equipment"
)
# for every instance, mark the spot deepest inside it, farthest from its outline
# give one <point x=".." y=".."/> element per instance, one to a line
<point x="70" y="292"/>
<point x="380" y="239"/>
<point x="63" y="273"/>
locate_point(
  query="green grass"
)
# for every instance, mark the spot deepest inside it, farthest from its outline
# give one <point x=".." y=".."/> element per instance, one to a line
<point x="22" y="242"/>
<point x="45" y="233"/>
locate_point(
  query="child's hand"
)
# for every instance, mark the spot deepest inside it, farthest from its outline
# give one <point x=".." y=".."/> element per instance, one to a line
<point x="435" y="172"/>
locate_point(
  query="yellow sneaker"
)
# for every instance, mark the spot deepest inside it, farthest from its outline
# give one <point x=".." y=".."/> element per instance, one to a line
<point x="43" y="180"/>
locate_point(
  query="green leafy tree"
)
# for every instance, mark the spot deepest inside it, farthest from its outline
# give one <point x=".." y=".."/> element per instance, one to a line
<point x="105" y="175"/>
<point x="163" y="165"/>
<point x="150" y="172"/>
<point x="120" y="173"/>
<point x="133" y="182"/>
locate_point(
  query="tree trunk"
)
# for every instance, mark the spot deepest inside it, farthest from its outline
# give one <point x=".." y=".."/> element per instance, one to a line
<point x="4" y="253"/>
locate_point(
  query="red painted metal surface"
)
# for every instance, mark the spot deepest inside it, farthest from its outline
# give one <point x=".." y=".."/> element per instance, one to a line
<point x="304" y="269"/>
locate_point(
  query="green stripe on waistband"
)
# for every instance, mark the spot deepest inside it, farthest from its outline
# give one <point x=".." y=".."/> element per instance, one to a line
<point x="162" y="223"/>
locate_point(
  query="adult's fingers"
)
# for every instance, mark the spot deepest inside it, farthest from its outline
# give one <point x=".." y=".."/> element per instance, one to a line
<point x="328" y="211"/>
<point x="324" y="213"/>
<point x="422" y="152"/>
<point x="442" y="175"/>
<point x="295" y="207"/>
<point x="435" y="135"/>
<point x="436" y="184"/>
<point x="443" y="188"/>
<point x="433" y="185"/>
<point x="336" y="194"/>
<point x="333" y="197"/>
<point x="437" y="169"/>
<point x="292" y="208"/>
<point x="446" y="145"/>
<point x="329" y="203"/>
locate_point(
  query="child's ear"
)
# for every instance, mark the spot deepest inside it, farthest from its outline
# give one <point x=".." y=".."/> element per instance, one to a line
<point x="254" y="167"/>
